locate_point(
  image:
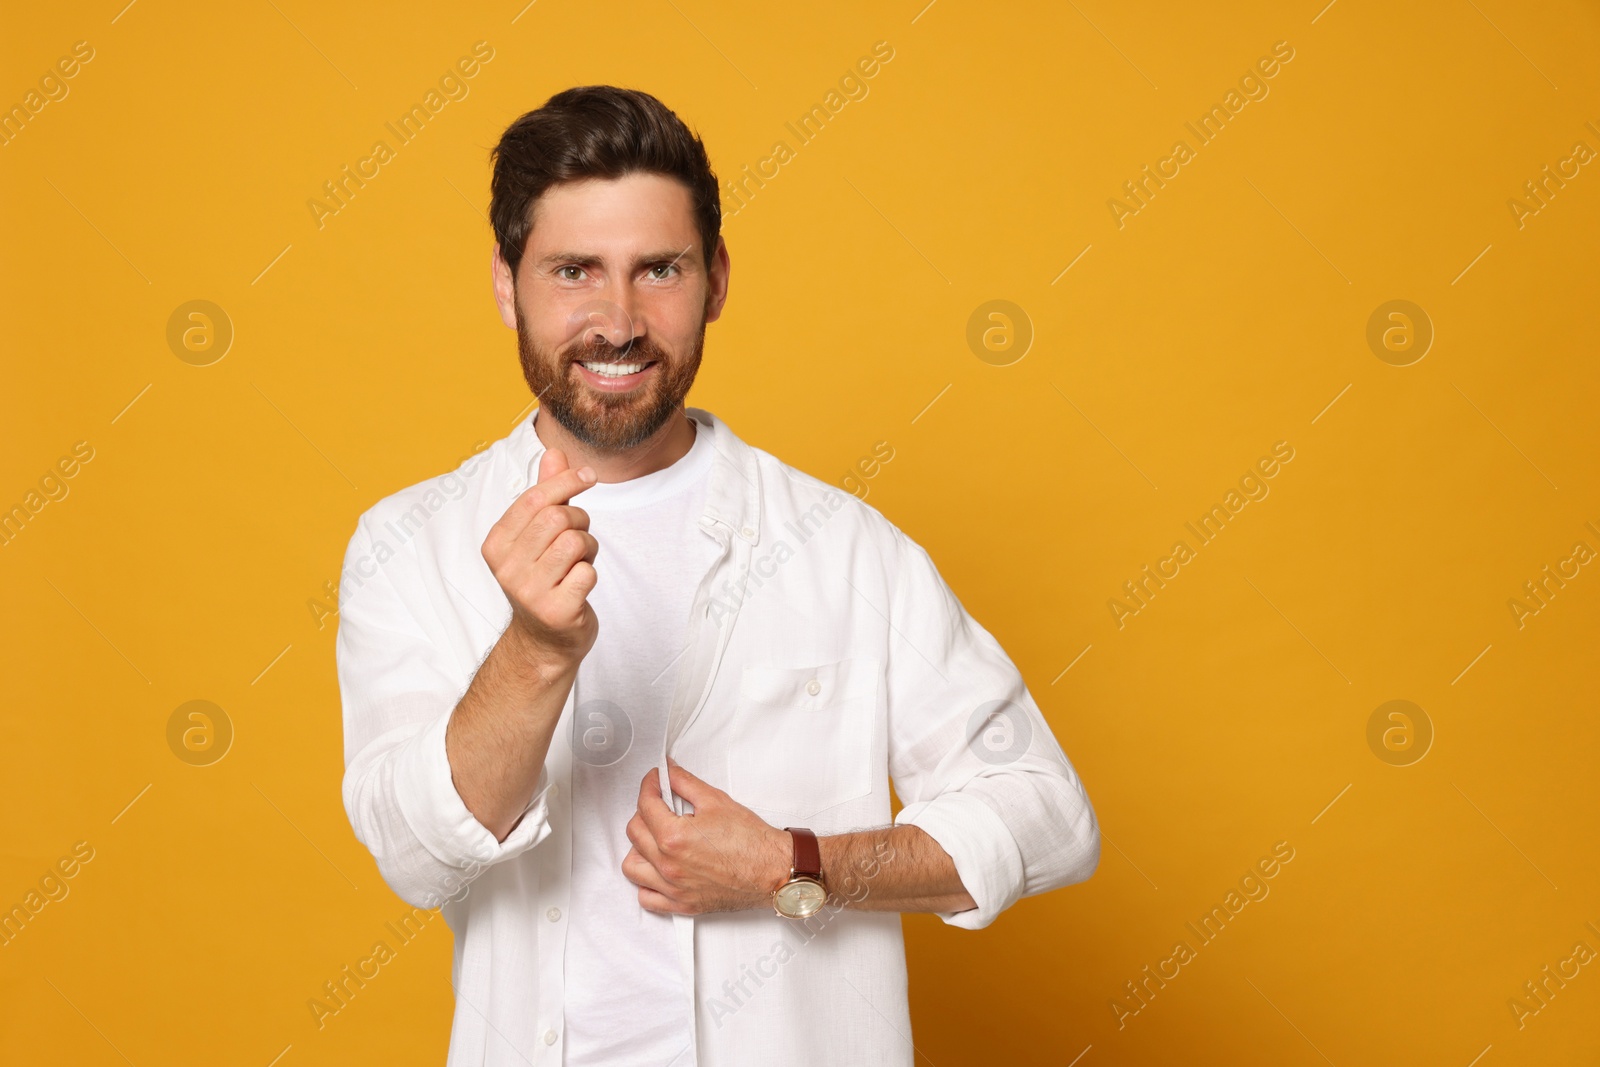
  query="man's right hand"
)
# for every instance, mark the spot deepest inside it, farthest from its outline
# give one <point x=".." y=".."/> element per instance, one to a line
<point x="542" y="554"/>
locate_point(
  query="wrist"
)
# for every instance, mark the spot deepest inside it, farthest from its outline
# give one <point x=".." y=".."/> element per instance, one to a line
<point x="535" y="660"/>
<point x="804" y="889"/>
<point x="779" y="862"/>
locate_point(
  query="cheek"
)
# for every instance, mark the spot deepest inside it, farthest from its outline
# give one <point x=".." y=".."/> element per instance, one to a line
<point x="676" y="317"/>
<point x="561" y="318"/>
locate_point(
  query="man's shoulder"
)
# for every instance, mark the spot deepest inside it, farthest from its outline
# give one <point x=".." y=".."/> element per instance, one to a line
<point x="449" y="499"/>
<point x="800" y="498"/>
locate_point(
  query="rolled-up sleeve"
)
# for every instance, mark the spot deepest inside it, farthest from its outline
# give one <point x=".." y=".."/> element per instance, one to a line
<point x="397" y="694"/>
<point x="972" y="757"/>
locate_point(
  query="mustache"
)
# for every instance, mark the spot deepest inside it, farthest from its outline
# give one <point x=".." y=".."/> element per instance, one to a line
<point x="641" y="350"/>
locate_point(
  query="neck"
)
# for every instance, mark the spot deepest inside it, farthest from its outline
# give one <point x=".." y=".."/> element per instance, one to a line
<point x="670" y="443"/>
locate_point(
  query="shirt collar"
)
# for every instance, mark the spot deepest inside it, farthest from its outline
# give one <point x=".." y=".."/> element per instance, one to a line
<point x="733" y="499"/>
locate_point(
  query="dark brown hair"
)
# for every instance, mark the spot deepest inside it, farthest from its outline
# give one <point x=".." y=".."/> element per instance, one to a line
<point x="595" y="131"/>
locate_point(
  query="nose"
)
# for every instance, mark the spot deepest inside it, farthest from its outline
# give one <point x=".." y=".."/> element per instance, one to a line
<point x="610" y="315"/>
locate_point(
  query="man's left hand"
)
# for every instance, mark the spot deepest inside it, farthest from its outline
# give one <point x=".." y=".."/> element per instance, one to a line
<point x="723" y="857"/>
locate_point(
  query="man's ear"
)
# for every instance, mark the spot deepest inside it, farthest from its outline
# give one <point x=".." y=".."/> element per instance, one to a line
<point x="717" y="278"/>
<point x="505" y="290"/>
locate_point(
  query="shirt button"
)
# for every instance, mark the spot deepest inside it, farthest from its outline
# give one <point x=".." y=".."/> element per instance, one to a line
<point x="813" y="687"/>
<point x="554" y="915"/>
<point x="747" y="532"/>
<point x="549" y="1037"/>
<point x="553" y="790"/>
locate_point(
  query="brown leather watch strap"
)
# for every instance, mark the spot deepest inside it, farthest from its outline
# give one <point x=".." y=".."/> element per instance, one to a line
<point x="807" y="853"/>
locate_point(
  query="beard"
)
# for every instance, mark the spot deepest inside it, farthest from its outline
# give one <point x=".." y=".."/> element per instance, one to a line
<point x="607" y="422"/>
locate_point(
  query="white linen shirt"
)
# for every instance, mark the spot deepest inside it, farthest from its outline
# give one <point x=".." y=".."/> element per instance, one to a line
<point x="825" y="657"/>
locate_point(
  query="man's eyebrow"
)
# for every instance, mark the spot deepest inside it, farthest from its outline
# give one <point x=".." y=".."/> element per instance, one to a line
<point x="589" y="259"/>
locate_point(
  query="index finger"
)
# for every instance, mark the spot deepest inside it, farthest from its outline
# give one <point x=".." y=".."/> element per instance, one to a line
<point x="552" y="488"/>
<point x="651" y="807"/>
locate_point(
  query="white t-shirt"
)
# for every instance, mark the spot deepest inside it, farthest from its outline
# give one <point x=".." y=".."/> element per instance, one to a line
<point x="626" y="1002"/>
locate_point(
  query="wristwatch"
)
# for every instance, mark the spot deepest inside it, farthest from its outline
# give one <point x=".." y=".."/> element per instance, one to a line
<point x="804" y="892"/>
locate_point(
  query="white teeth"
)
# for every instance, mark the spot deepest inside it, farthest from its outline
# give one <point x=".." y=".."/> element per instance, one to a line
<point x="615" y="370"/>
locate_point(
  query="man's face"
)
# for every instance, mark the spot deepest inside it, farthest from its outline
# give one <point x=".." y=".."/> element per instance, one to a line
<point x="611" y="303"/>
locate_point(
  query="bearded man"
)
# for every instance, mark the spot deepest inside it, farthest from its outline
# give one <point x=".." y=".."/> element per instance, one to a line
<point x="627" y="699"/>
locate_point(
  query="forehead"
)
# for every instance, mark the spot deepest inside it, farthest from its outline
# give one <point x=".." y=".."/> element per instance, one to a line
<point x="614" y="214"/>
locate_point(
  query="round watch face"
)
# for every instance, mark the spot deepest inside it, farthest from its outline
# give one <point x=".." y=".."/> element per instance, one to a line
<point x="800" y="898"/>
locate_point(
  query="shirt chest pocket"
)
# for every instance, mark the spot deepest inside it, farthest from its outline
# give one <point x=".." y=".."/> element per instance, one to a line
<point x="803" y="737"/>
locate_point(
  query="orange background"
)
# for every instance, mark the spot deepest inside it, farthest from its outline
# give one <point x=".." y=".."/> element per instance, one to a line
<point x="1228" y="314"/>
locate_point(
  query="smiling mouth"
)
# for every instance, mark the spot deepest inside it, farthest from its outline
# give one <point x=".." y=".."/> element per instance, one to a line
<point x="614" y="370"/>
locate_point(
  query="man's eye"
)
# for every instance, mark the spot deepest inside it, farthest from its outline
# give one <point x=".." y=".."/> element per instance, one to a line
<point x="665" y="266"/>
<point x="560" y="271"/>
